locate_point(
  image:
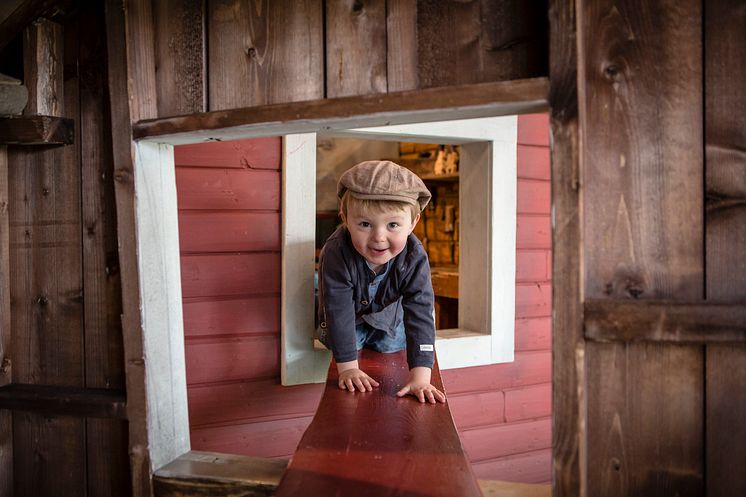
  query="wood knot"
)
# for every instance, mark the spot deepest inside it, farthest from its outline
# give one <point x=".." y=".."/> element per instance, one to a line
<point x="357" y="7"/>
<point x="42" y="300"/>
<point x="251" y="52"/>
<point x="611" y="72"/>
<point x="616" y="464"/>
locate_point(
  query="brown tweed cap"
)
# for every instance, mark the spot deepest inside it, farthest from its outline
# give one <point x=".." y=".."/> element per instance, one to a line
<point x="383" y="180"/>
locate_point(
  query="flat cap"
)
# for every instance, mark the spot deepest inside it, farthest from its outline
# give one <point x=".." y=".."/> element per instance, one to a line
<point x="383" y="180"/>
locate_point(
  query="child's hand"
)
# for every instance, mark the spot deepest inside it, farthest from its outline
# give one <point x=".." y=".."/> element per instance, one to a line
<point x="350" y="377"/>
<point x="419" y="386"/>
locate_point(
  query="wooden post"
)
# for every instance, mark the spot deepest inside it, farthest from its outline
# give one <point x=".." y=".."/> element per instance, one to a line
<point x="42" y="44"/>
<point x="6" y="373"/>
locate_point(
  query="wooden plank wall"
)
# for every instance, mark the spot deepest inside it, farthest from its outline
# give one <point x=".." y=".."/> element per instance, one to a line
<point x="64" y="281"/>
<point x="642" y="161"/>
<point x="503" y="411"/>
<point x="233" y="53"/>
<point x="229" y="230"/>
<point x="725" y="239"/>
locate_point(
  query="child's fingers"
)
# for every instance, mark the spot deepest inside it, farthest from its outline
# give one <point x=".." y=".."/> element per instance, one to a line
<point x="440" y="396"/>
<point x="430" y="397"/>
<point x="373" y="382"/>
<point x="421" y="396"/>
<point x="404" y="391"/>
<point x="359" y="384"/>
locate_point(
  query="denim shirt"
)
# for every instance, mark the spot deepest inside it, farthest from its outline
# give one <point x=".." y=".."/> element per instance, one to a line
<point x="405" y="292"/>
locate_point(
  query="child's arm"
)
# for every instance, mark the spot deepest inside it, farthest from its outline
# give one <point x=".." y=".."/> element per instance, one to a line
<point x="351" y="376"/>
<point x="419" y="386"/>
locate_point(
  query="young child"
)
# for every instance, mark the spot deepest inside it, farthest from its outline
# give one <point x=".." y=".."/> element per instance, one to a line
<point x="374" y="278"/>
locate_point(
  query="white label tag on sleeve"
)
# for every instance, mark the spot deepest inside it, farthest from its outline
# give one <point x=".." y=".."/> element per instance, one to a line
<point x="428" y="347"/>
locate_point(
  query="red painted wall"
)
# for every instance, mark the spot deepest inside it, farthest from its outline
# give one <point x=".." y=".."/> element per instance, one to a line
<point x="229" y="231"/>
<point x="503" y="411"/>
<point x="229" y="226"/>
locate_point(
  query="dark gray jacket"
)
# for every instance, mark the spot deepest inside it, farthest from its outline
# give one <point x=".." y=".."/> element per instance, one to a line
<point x="344" y="277"/>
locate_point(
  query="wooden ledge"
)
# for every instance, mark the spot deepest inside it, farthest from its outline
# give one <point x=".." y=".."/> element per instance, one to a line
<point x="36" y="130"/>
<point x="196" y="474"/>
<point x="208" y="473"/>
<point x="377" y="444"/>
<point x="433" y="104"/>
<point x="663" y="321"/>
<point x="64" y="401"/>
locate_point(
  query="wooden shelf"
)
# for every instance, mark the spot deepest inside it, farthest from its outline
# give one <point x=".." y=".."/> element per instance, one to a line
<point x="439" y="177"/>
<point x="36" y="130"/>
<point x="64" y="401"/>
<point x="432" y="104"/>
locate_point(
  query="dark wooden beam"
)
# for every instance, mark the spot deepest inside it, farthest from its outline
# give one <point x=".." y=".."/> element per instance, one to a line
<point x="64" y="401"/>
<point x="435" y="104"/>
<point x="36" y="130"/>
<point x="656" y="321"/>
<point x="376" y="443"/>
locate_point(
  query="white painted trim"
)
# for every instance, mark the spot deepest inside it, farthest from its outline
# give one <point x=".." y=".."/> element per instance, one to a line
<point x="487" y="281"/>
<point x="301" y="362"/>
<point x="157" y="230"/>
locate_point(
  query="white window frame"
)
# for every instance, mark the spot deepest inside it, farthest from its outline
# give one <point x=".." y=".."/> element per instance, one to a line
<point x="487" y="197"/>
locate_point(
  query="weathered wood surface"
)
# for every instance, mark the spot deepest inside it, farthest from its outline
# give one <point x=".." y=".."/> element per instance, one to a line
<point x="264" y="52"/>
<point x="568" y="364"/>
<point x="725" y="136"/>
<point x="676" y="322"/>
<point x="106" y="439"/>
<point x="179" y="56"/>
<point x="43" y="66"/>
<point x="120" y="66"/>
<point x="36" y="130"/>
<point x="401" y="45"/>
<point x="220" y="475"/>
<point x="641" y="125"/>
<point x="456" y="102"/>
<point x="355" y="47"/>
<point x="47" y="286"/>
<point x="6" y="372"/>
<point x="376" y="443"/>
<point x="475" y="41"/>
<point x="63" y="401"/>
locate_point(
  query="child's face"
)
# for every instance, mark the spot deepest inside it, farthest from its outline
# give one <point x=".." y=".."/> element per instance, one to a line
<point x="379" y="236"/>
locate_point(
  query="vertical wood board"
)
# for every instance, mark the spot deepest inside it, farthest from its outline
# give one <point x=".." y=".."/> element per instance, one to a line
<point x="355" y="47"/>
<point x="264" y="52"/>
<point x="401" y="45"/>
<point x="49" y="455"/>
<point x="107" y="468"/>
<point x="6" y="373"/>
<point x="568" y="346"/>
<point x="160" y="285"/>
<point x="300" y="361"/>
<point x="180" y="56"/>
<point x="121" y="116"/>
<point x="725" y="135"/>
<point x="641" y="129"/>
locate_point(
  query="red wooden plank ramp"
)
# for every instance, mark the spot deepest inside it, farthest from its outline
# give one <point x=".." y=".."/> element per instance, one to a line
<point x="377" y="444"/>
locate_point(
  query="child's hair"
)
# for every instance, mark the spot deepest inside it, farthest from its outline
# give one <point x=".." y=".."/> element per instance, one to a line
<point x="375" y="206"/>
